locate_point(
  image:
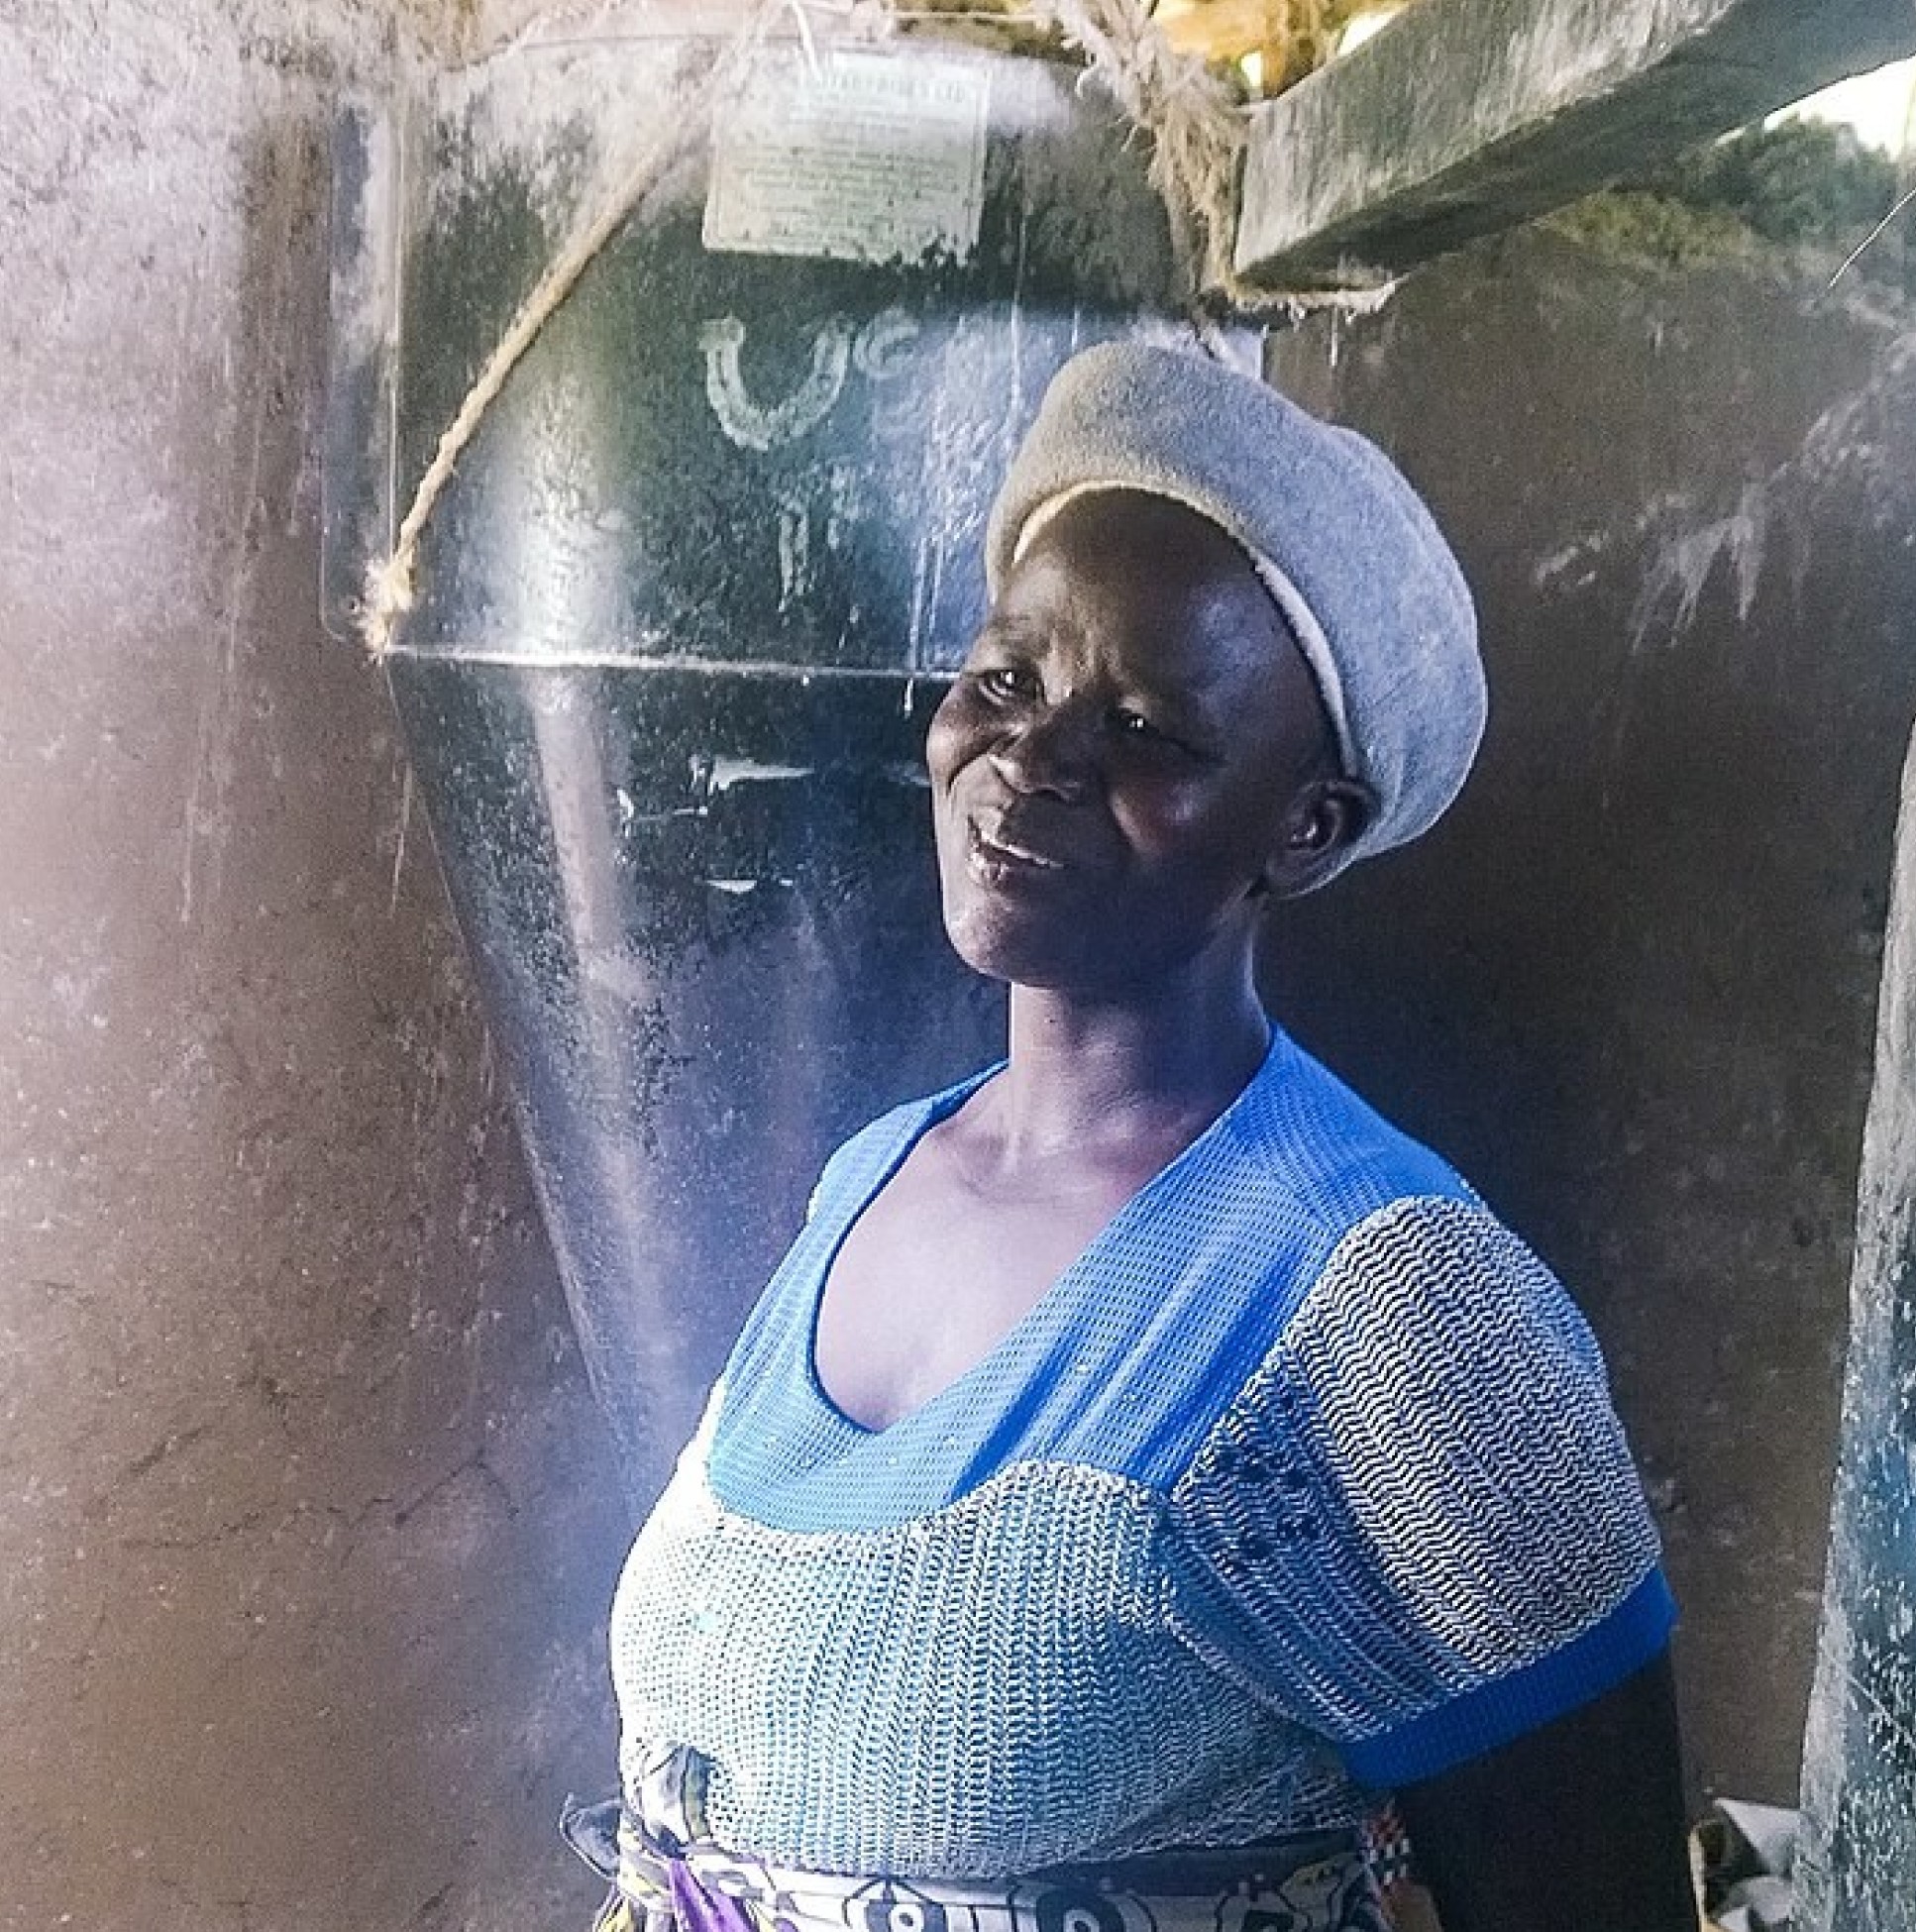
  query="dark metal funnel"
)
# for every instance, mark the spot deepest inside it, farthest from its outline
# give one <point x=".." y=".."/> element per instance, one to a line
<point x="689" y="598"/>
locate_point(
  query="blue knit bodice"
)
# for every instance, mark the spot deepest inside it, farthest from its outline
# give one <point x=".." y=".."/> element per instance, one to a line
<point x="1303" y="1480"/>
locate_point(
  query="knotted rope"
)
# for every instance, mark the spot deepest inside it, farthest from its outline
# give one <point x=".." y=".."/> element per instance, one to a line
<point x="1187" y="113"/>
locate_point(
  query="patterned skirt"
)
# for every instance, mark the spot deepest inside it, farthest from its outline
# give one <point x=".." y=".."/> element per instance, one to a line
<point x="1330" y="1883"/>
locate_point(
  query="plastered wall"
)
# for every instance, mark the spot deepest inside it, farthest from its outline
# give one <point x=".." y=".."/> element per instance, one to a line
<point x="1629" y="984"/>
<point x="306" y="1524"/>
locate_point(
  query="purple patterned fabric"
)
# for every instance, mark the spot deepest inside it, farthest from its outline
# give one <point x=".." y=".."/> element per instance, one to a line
<point x="699" y="1910"/>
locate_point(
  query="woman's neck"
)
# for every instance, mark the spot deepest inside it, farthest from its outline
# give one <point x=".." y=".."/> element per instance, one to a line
<point x="1089" y="1073"/>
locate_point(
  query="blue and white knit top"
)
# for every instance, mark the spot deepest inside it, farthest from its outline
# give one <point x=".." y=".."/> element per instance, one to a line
<point x="1301" y="1482"/>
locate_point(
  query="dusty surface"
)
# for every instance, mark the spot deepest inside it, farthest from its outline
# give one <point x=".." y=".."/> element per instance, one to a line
<point x="1628" y="986"/>
<point x="307" y="1522"/>
<point x="1858" y="1863"/>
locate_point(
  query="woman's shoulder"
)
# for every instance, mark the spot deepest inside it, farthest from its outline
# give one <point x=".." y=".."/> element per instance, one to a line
<point x="1366" y="1255"/>
<point x="1324" y="1149"/>
<point x="1407" y="1250"/>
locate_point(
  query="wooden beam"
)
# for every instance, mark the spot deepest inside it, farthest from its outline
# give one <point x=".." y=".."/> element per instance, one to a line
<point x="1464" y="117"/>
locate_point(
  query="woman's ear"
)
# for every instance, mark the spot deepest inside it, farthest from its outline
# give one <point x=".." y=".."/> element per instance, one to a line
<point x="1322" y="821"/>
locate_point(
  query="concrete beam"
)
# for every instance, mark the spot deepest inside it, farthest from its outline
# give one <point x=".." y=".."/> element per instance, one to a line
<point x="1465" y="116"/>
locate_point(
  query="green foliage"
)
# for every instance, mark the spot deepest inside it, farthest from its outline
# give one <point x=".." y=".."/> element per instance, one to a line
<point x="1799" y="181"/>
<point x="1652" y="228"/>
<point x="1802" y="186"/>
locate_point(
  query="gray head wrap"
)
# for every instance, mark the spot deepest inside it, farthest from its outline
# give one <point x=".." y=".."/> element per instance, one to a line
<point x="1364" y="578"/>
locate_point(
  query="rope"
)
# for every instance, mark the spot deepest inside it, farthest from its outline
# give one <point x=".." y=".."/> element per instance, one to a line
<point x="1196" y="128"/>
<point x="391" y="585"/>
<point x="1187" y="113"/>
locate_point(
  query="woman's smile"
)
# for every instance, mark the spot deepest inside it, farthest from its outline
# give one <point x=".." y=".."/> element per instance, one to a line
<point x="998" y="850"/>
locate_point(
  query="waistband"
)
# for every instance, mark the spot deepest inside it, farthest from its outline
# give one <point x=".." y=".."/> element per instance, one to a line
<point x="1330" y="1881"/>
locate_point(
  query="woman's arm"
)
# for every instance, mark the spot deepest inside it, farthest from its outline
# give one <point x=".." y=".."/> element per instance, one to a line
<point x="1579" y="1823"/>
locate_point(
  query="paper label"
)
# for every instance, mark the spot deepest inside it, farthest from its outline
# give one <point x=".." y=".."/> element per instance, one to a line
<point x="864" y="157"/>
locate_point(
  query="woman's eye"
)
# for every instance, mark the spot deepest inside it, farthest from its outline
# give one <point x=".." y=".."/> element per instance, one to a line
<point x="1003" y="680"/>
<point x="1148" y="735"/>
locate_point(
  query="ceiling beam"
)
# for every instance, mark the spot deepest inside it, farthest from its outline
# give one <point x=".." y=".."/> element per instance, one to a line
<point x="1465" y="116"/>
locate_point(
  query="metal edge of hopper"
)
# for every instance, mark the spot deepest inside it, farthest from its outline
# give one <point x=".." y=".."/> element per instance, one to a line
<point x="359" y="510"/>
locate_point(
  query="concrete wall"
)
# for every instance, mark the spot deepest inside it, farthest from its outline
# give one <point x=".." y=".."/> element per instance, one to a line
<point x="1858" y="1850"/>
<point x="306" y="1525"/>
<point x="1629" y="984"/>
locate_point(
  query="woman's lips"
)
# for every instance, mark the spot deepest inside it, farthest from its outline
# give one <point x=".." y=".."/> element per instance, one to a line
<point x="998" y="854"/>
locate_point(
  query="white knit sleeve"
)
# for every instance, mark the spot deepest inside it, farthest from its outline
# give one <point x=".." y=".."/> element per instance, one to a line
<point x="1419" y="1530"/>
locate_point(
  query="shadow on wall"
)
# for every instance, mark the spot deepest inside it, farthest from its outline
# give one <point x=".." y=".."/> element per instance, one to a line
<point x="1628" y="986"/>
<point x="311" y="1525"/>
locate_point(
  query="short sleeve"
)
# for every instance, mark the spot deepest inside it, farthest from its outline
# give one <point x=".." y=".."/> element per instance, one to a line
<point x="1417" y="1531"/>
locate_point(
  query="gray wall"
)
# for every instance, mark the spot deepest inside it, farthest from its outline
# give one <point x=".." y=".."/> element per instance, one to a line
<point x="1629" y="984"/>
<point x="305" y="1520"/>
<point x="1858" y="1855"/>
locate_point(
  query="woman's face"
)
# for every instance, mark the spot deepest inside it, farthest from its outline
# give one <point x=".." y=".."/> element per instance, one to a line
<point x="1126" y="758"/>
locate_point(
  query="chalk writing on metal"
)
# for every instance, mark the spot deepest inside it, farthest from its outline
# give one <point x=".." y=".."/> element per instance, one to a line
<point x="794" y="550"/>
<point x="876" y="350"/>
<point x="757" y="426"/>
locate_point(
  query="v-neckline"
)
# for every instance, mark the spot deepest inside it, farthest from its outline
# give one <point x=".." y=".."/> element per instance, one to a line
<point x="1056" y="1295"/>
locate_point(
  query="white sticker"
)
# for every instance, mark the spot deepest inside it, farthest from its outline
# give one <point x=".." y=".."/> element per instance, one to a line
<point x="864" y="157"/>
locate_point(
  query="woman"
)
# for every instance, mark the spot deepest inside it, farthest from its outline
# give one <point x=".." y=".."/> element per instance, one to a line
<point x="1146" y="1461"/>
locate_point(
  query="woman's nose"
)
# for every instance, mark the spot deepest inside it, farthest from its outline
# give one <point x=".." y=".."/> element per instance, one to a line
<point x="1050" y="751"/>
